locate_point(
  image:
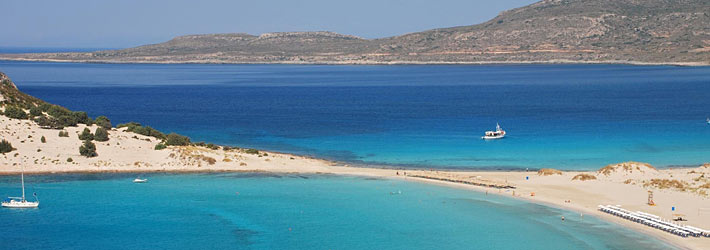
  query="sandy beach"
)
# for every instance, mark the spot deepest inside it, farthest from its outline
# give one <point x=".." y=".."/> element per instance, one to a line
<point x="625" y="184"/>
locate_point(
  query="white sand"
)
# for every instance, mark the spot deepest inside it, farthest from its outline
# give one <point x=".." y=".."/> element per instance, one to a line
<point x="129" y="152"/>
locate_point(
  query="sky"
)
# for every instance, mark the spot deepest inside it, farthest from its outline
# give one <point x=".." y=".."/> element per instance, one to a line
<point x="129" y="23"/>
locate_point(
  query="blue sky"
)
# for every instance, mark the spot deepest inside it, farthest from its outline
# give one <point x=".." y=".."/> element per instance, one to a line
<point x="128" y="23"/>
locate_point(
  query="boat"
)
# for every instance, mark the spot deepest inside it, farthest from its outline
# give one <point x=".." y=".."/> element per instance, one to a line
<point x="497" y="134"/>
<point x="21" y="202"/>
<point x="708" y="120"/>
<point x="139" y="180"/>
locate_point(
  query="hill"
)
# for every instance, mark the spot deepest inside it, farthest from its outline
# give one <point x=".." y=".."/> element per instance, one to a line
<point x="570" y="31"/>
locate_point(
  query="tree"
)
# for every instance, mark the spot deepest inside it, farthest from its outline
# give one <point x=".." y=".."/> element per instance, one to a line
<point x="174" y="139"/>
<point x="5" y="146"/>
<point x="88" y="149"/>
<point x="15" y="112"/>
<point x="63" y="134"/>
<point x="101" y="134"/>
<point x="103" y="121"/>
<point x="86" y="135"/>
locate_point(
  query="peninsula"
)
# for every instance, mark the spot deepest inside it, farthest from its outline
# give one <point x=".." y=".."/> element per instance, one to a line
<point x="675" y="32"/>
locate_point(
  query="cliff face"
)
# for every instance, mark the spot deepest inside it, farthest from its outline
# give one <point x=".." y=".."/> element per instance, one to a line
<point x="645" y="31"/>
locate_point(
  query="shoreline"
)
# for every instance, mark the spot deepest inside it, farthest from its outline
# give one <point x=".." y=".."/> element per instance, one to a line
<point x="353" y="63"/>
<point x="672" y="240"/>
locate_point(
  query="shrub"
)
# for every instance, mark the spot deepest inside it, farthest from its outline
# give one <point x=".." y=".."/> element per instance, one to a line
<point x="70" y="159"/>
<point x="15" y="112"/>
<point x="160" y="146"/>
<point x="252" y="151"/>
<point x="48" y="122"/>
<point x="67" y="120"/>
<point x="86" y="135"/>
<point x="43" y="140"/>
<point x="35" y="111"/>
<point x="101" y="134"/>
<point x="212" y="146"/>
<point x="81" y="117"/>
<point x="103" y="121"/>
<point x="5" y="146"/>
<point x="88" y="149"/>
<point x="44" y="107"/>
<point x="63" y="134"/>
<point x="138" y="129"/>
<point x="174" y="139"/>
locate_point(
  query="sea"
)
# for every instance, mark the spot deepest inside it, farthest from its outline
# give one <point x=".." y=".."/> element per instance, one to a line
<point x="571" y="117"/>
<point x="267" y="211"/>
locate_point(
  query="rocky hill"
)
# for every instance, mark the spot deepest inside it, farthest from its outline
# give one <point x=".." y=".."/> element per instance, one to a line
<point x="626" y="31"/>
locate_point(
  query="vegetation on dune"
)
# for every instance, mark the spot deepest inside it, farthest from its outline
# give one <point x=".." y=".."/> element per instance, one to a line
<point x="584" y="177"/>
<point x="174" y="139"/>
<point x="88" y="149"/>
<point x="142" y="130"/>
<point x="160" y="146"/>
<point x="549" y="171"/>
<point x="86" y="135"/>
<point x="35" y="111"/>
<point x="15" y="112"/>
<point x="101" y="134"/>
<point x="5" y="146"/>
<point x="252" y="151"/>
<point x="629" y="166"/>
<point x="103" y="121"/>
<point x="63" y="134"/>
<point x="43" y="140"/>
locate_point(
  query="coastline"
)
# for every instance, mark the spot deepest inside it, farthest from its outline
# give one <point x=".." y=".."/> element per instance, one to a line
<point x="359" y="62"/>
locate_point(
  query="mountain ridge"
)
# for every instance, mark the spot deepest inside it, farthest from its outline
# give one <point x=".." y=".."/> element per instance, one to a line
<point x="549" y="31"/>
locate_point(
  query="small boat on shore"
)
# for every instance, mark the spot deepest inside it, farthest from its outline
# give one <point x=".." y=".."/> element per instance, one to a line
<point x="21" y="202"/>
<point x="497" y="134"/>
<point x="139" y="180"/>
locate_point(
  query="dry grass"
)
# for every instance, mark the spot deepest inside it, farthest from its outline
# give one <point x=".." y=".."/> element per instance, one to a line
<point x="629" y="166"/>
<point x="666" y="184"/>
<point x="549" y="171"/>
<point x="584" y="177"/>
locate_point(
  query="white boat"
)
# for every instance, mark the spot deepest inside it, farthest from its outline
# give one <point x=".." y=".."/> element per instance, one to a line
<point x="21" y="202"/>
<point x="491" y="135"/>
<point x="139" y="180"/>
<point x="708" y="120"/>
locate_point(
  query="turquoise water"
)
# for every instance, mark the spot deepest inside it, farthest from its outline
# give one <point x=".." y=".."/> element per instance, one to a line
<point x="259" y="211"/>
<point x="559" y="116"/>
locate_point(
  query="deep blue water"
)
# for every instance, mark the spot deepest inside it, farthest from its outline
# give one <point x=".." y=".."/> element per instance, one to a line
<point x="257" y="211"/>
<point x="560" y="116"/>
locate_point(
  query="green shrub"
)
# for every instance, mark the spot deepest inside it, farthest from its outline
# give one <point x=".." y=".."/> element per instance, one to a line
<point x="35" y="111"/>
<point x="212" y="146"/>
<point x="48" y="122"/>
<point x="67" y="121"/>
<point x="81" y="117"/>
<point x="63" y="134"/>
<point x="138" y="129"/>
<point x="88" y="149"/>
<point x="252" y="151"/>
<point x="160" y="146"/>
<point x="15" y="112"/>
<point x="86" y="135"/>
<point x="43" y="140"/>
<point x="56" y="111"/>
<point x="101" y="134"/>
<point x="70" y="159"/>
<point x="44" y="107"/>
<point x="174" y="139"/>
<point x="5" y="146"/>
<point x="103" y="121"/>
